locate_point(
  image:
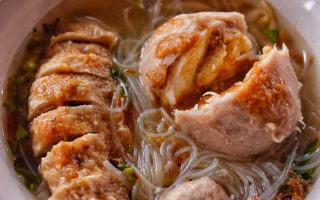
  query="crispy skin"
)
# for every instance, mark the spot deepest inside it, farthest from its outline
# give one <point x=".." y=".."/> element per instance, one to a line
<point x="56" y="90"/>
<point x="75" y="170"/>
<point x="74" y="47"/>
<point x="76" y="62"/>
<point x="67" y="123"/>
<point x="83" y="31"/>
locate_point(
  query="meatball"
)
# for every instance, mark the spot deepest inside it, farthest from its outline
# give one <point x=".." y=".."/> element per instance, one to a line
<point x="193" y="52"/>
<point x="204" y="188"/>
<point x="227" y="102"/>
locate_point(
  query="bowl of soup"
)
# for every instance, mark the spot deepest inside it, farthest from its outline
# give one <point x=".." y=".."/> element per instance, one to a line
<point x="182" y="99"/>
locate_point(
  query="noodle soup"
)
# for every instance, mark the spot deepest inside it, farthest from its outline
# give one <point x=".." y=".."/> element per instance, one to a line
<point x="162" y="156"/>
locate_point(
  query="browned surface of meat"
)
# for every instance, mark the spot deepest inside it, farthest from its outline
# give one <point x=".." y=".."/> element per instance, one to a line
<point x="56" y="90"/>
<point x="67" y="123"/>
<point x="96" y="187"/>
<point x="204" y="188"/>
<point x="75" y="170"/>
<point x="204" y="68"/>
<point x="191" y="53"/>
<point x="251" y="116"/>
<point x="83" y="31"/>
<point x="77" y="73"/>
<point x="75" y="47"/>
<point x="76" y="62"/>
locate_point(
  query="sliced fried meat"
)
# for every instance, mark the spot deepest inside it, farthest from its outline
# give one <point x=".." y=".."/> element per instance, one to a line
<point x="66" y="123"/>
<point x="83" y="31"/>
<point x="75" y="170"/>
<point x="81" y="47"/>
<point x="76" y="62"/>
<point x="56" y="90"/>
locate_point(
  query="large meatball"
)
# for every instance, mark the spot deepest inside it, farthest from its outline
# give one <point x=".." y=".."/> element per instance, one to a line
<point x="195" y="65"/>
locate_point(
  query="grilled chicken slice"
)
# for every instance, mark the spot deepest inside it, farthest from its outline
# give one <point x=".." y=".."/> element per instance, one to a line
<point x="191" y="53"/>
<point x="204" y="188"/>
<point x="83" y="31"/>
<point x="76" y="62"/>
<point x="250" y="117"/>
<point x="75" y="170"/>
<point x="75" y="47"/>
<point x="56" y="90"/>
<point x="67" y="123"/>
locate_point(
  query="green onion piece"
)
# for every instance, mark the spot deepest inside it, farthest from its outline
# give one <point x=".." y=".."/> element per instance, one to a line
<point x="116" y="74"/>
<point x="272" y="34"/>
<point x="30" y="64"/>
<point x="30" y="186"/>
<point x="130" y="173"/>
<point x="14" y="146"/>
<point x="123" y="165"/>
<point x="123" y="92"/>
<point x="311" y="148"/>
<point x="308" y="175"/>
<point x="30" y="178"/>
<point x="10" y="105"/>
<point x="139" y="4"/>
<point x="21" y="133"/>
<point x="285" y="189"/>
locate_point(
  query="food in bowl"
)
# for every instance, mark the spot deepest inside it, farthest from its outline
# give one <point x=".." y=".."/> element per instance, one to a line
<point x="217" y="112"/>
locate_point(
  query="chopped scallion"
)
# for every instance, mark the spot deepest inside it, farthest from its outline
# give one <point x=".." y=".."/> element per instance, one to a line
<point x="139" y="4"/>
<point x="285" y="189"/>
<point x="21" y="133"/>
<point x="272" y="34"/>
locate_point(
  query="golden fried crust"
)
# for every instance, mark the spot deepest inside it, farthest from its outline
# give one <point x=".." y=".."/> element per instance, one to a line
<point x="74" y="47"/>
<point x="157" y="76"/>
<point x="66" y="123"/>
<point x="175" y="43"/>
<point x="60" y="89"/>
<point x="77" y="167"/>
<point x="264" y="93"/>
<point x="83" y="31"/>
<point x="76" y="62"/>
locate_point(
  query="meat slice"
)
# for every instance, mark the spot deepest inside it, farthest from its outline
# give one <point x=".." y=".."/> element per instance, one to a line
<point x="56" y="90"/>
<point x="83" y="31"/>
<point x="75" y="47"/>
<point x="75" y="170"/>
<point x="192" y="52"/>
<point x="76" y="62"/>
<point x="204" y="188"/>
<point x="92" y="187"/>
<point x="67" y="123"/>
<point x="253" y="115"/>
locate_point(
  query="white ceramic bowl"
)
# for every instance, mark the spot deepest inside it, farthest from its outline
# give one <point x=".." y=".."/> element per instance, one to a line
<point x="18" y="17"/>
